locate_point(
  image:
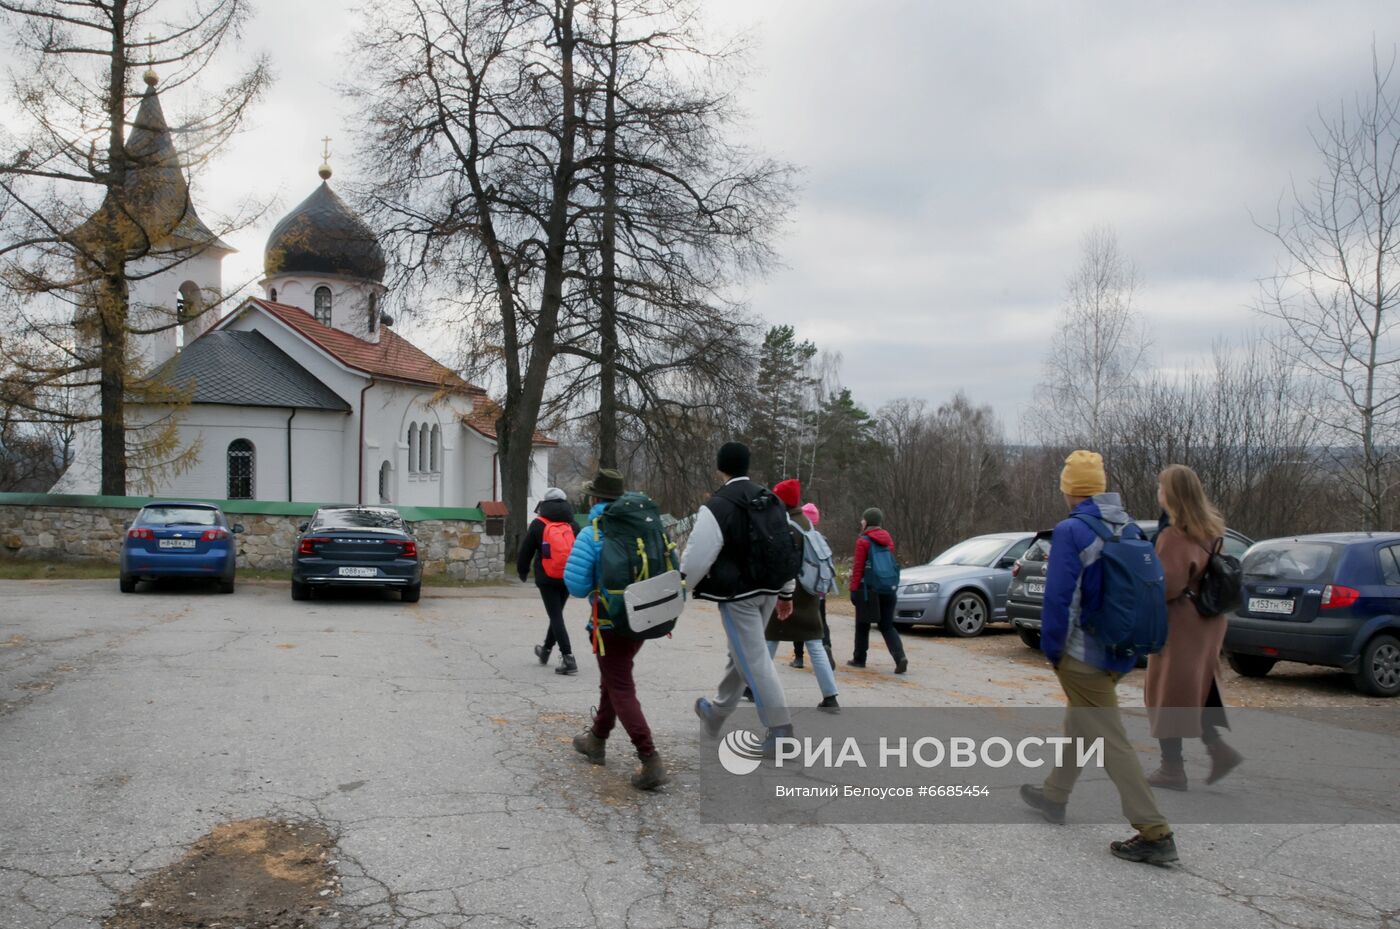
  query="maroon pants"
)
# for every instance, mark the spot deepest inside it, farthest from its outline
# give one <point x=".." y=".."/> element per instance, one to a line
<point x="618" y="700"/>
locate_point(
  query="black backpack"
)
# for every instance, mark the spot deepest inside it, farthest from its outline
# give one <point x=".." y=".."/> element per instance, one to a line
<point x="1221" y="586"/>
<point x="635" y="548"/>
<point x="773" y="552"/>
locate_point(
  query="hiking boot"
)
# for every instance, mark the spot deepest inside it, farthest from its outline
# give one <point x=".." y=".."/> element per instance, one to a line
<point x="1035" y="798"/>
<point x="652" y="774"/>
<point x="1170" y="776"/>
<point x="829" y="704"/>
<point x="710" y="720"/>
<point x="1223" y="760"/>
<point x="1148" y="851"/>
<point x="901" y="666"/>
<point x="542" y="653"/>
<point x="770" y="741"/>
<point x="796" y="662"/>
<point x="591" y="747"/>
<point x="748" y="694"/>
<point x="567" y="665"/>
<point x="855" y="664"/>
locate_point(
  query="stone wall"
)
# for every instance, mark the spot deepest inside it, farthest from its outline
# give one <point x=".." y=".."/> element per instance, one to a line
<point x="457" y="548"/>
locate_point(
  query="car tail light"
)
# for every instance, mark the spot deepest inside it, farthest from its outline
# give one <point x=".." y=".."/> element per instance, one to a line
<point x="140" y="534"/>
<point x="1335" y="596"/>
<point x="410" y="548"/>
<point x="308" y="545"/>
<point x="214" y="535"/>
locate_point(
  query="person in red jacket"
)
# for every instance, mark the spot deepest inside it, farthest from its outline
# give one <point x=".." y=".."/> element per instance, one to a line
<point x="874" y="607"/>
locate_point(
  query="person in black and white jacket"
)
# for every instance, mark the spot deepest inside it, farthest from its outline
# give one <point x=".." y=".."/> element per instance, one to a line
<point x="715" y="566"/>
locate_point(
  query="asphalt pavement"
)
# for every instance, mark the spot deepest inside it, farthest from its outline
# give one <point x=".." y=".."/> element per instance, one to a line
<point x="431" y="743"/>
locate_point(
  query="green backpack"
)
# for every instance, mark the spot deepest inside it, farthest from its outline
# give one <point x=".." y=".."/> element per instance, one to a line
<point x="635" y="548"/>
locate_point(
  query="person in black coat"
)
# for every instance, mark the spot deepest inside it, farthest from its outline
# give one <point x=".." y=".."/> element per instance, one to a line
<point x="553" y="508"/>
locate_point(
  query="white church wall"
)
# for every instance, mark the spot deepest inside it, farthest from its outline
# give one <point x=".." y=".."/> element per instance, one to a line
<point x="350" y="299"/>
<point x="392" y="410"/>
<point x="153" y="300"/>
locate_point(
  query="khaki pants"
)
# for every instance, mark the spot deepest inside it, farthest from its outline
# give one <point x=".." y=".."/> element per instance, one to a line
<point x="1092" y="714"/>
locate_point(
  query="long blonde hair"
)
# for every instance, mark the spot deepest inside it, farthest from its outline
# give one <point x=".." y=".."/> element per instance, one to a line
<point x="1188" y="507"/>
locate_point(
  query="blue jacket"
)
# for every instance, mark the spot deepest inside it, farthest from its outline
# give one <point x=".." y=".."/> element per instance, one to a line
<point x="582" y="571"/>
<point x="1074" y="584"/>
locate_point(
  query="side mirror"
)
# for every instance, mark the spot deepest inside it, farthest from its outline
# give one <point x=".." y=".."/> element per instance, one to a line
<point x="303" y="527"/>
<point x="238" y="529"/>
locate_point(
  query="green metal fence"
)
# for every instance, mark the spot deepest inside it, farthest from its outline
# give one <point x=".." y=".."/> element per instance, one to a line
<point x="413" y="514"/>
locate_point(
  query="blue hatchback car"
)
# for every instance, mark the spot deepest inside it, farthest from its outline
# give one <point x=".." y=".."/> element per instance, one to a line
<point x="177" y="539"/>
<point x="1330" y="600"/>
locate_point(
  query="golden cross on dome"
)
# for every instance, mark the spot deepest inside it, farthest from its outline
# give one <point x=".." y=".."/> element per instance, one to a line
<point x="150" y="48"/>
<point x="326" y="151"/>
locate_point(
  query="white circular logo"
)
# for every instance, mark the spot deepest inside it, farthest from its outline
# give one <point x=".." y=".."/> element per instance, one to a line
<point x="741" y="752"/>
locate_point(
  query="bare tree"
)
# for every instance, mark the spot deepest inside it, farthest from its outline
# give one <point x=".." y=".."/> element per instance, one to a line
<point x="1338" y="294"/>
<point x="1100" y="341"/>
<point x="88" y="208"/>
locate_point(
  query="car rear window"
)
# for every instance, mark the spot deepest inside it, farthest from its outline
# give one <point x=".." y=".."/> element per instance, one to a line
<point x="1291" y="561"/>
<point x="1039" y="551"/>
<point x="360" y="519"/>
<point x="178" y="516"/>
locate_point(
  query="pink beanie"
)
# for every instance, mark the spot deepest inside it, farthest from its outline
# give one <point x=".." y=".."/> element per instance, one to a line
<point x="813" y="514"/>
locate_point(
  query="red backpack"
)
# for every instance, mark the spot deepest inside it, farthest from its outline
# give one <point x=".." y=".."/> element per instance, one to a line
<point x="554" y="550"/>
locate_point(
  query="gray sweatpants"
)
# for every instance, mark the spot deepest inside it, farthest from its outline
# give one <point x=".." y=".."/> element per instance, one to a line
<point x="749" y="663"/>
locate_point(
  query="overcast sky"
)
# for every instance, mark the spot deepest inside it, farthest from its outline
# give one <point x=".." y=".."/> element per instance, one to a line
<point x="954" y="155"/>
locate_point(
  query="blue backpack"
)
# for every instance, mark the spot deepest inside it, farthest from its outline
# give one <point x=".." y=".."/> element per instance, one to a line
<point x="881" y="570"/>
<point x="1132" y="617"/>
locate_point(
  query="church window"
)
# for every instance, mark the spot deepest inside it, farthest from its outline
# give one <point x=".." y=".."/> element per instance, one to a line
<point x="385" y="473"/>
<point x="413" y="448"/>
<point x="373" y="311"/>
<point x="323" y="305"/>
<point x="423" y="446"/>
<point x="436" y="450"/>
<point x="273" y="295"/>
<point x="240" y="470"/>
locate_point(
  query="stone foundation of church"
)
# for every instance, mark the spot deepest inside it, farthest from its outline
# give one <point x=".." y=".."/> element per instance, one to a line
<point x="38" y="527"/>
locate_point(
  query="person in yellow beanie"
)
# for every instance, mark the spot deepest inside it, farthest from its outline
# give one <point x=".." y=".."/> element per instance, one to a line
<point x="1087" y="668"/>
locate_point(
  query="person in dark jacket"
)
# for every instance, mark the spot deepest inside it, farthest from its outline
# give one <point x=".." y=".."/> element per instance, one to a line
<point x="554" y="508"/>
<point x="805" y="622"/>
<point x="872" y="607"/>
<point x="1088" y="668"/>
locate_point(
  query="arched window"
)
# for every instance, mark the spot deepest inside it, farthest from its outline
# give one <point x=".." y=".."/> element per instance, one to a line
<point x="187" y="307"/>
<point x="323" y="305"/>
<point x="424" y="442"/>
<point x="240" y="470"/>
<point x="373" y="311"/>
<point x="385" y="473"/>
<point x="436" y="456"/>
<point x="273" y="295"/>
<point x="412" y="448"/>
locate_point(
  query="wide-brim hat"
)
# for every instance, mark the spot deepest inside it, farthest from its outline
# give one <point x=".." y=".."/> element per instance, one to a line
<point x="608" y="484"/>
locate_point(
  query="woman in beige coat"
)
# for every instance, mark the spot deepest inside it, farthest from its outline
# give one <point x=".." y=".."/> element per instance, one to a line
<point x="1182" y="692"/>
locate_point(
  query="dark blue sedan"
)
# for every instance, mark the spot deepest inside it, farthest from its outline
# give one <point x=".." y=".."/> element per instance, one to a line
<point x="175" y="539"/>
<point x="1324" y="600"/>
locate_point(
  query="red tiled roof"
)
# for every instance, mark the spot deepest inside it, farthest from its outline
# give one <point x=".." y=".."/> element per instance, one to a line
<point x="493" y="509"/>
<point x="392" y="356"/>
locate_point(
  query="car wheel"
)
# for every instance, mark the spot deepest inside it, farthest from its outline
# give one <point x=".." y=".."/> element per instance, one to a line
<point x="1251" y="665"/>
<point x="1379" y="674"/>
<point x="412" y="592"/>
<point x="127" y="583"/>
<point x="967" y="615"/>
<point x="1031" y="637"/>
<point x="300" y="591"/>
<point x="226" y="586"/>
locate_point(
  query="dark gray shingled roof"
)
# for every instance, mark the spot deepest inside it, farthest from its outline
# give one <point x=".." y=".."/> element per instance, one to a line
<point x="246" y="369"/>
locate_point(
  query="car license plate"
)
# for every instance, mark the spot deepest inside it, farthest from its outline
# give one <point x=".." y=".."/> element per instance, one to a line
<point x="1035" y="588"/>
<point x="177" y="543"/>
<point x="359" y="572"/>
<point x="1268" y="605"/>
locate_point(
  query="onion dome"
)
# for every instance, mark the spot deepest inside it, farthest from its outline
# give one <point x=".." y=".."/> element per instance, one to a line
<point x="324" y="236"/>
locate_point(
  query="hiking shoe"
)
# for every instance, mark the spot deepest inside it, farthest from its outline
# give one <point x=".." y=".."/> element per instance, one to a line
<point x="796" y="662"/>
<point x="770" y="741"/>
<point x="652" y="774"/>
<point x="542" y="653"/>
<point x="1223" y="760"/>
<point x="748" y="694"/>
<point x="567" y="665"/>
<point x="855" y="664"/>
<point x="901" y="666"/>
<point x="1159" y="852"/>
<point x="1170" y="776"/>
<point x="829" y="704"/>
<point x="710" y="720"/>
<point x="1035" y="798"/>
<point x="591" y="747"/>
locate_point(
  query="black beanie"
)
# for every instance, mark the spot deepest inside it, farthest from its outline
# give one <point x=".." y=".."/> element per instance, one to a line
<point x="733" y="459"/>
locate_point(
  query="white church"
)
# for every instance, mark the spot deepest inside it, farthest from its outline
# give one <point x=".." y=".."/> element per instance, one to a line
<point x="306" y="393"/>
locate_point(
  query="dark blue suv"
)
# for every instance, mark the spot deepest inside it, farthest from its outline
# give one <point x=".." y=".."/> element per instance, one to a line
<point x="1330" y="600"/>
